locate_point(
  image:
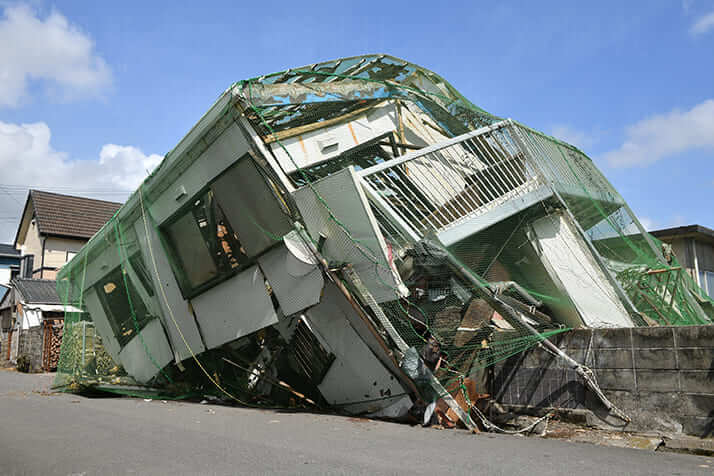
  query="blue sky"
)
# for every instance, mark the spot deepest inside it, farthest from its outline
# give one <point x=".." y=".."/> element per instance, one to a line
<point x="92" y="94"/>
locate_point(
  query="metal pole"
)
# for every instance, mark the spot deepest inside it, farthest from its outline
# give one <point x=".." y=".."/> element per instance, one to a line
<point x="514" y="318"/>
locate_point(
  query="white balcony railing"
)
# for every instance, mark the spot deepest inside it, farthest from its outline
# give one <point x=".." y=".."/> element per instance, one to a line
<point x="449" y="183"/>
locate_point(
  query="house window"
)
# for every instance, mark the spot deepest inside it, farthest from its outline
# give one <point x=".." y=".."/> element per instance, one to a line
<point x="224" y="228"/>
<point x="706" y="280"/>
<point x="119" y="297"/>
<point x="204" y="245"/>
<point x="70" y="255"/>
<point x="137" y="262"/>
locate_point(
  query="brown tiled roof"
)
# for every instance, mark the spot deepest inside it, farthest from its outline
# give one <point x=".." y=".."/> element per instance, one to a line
<point x="70" y="216"/>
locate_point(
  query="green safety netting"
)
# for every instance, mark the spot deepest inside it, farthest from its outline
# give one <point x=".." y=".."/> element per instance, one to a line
<point x="457" y="317"/>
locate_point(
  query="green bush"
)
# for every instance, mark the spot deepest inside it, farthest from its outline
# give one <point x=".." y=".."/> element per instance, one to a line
<point x="23" y="363"/>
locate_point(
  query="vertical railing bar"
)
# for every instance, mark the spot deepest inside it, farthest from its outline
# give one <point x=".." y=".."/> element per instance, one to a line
<point x="374" y="180"/>
<point x="398" y="194"/>
<point x="409" y="205"/>
<point x="488" y="193"/>
<point x="437" y="190"/>
<point x="491" y="150"/>
<point x="396" y="236"/>
<point x="540" y="154"/>
<point x="466" y="161"/>
<point x="442" y="170"/>
<point x="499" y="164"/>
<point x="521" y="172"/>
<point x="398" y="221"/>
<point x="491" y="171"/>
<point x="451" y="171"/>
<point x="488" y="171"/>
<point x="508" y="164"/>
<point x="537" y="152"/>
<point x="528" y="162"/>
<point x="474" y="182"/>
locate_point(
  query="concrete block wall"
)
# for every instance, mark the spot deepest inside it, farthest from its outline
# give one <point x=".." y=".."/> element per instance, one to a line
<point x="4" y="344"/>
<point x="661" y="377"/>
<point x="30" y="343"/>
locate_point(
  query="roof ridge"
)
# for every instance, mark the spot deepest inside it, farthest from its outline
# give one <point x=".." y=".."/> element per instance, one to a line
<point x="70" y="215"/>
<point x="33" y="190"/>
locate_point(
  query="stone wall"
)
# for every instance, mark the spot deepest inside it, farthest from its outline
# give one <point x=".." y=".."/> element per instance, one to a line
<point x="661" y="377"/>
<point x="4" y="347"/>
<point x="30" y="344"/>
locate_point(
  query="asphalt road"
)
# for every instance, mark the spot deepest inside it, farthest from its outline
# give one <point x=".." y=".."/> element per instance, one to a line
<point x="48" y="434"/>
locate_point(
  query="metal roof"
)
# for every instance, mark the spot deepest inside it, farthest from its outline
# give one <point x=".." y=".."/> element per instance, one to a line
<point x="8" y="251"/>
<point x="37" y="291"/>
<point x="694" y="231"/>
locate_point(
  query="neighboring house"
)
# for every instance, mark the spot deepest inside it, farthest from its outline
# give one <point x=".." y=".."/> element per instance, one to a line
<point x="694" y="247"/>
<point x="9" y="264"/>
<point x="32" y="318"/>
<point x="54" y="228"/>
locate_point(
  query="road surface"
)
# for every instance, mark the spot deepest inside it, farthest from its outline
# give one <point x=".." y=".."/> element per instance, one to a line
<point x="61" y="434"/>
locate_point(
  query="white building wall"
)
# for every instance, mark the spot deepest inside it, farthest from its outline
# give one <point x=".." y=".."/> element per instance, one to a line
<point x="5" y="276"/>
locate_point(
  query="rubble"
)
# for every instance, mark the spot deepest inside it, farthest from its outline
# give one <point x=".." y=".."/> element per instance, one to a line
<point x="356" y="236"/>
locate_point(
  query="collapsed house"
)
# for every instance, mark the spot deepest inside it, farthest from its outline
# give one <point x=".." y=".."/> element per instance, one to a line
<point x="356" y="235"/>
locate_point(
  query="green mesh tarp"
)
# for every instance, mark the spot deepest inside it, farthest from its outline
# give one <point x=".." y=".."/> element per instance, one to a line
<point x="447" y="314"/>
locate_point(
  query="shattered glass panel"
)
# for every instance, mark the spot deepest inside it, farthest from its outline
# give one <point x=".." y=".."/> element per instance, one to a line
<point x="122" y="305"/>
<point x="252" y="207"/>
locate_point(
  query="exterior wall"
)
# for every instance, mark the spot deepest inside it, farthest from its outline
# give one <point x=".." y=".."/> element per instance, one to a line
<point x="33" y="243"/>
<point x="6" y="319"/>
<point x="7" y="266"/>
<point x="661" y="377"/>
<point x="56" y="251"/>
<point x="690" y="250"/>
<point x="5" y="273"/>
<point x="5" y="348"/>
<point x="705" y="255"/>
<point x="682" y="249"/>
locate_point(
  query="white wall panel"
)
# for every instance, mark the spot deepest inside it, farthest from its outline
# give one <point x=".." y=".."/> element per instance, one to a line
<point x="234" y="308"/>
<point x="566" y="256"/>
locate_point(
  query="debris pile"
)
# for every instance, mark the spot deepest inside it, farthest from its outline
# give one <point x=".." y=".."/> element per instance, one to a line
<point x="356" y="235"/>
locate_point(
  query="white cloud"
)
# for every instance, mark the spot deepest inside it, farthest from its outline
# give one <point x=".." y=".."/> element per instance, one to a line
<point x="703" y="24"/>
<point x="27" y="158"/>
<point x="572" y="136"/>
<point x="666" y="135"/>
<point x="126" y="166"/>
<point x="47" y="49"/>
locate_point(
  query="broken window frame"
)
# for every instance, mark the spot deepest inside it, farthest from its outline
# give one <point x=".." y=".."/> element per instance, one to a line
<point x="142" y="272"/>
<point x="224" y="270"/>
<point x="361" y="156"/>
<point x="125" y="328"/>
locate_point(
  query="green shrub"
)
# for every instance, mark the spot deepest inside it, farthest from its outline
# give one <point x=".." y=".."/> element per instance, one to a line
<point x="23" y="363"/>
